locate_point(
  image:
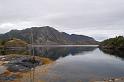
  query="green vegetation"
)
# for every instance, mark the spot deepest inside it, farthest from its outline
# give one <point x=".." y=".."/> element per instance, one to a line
<point x="5" y="46"/>
<point x="2" y="42"/>
<point x="113" y="43"/>
<point x="15" y="43"/>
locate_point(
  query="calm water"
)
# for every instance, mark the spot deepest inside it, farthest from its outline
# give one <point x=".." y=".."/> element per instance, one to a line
<point x="78" y="64"/>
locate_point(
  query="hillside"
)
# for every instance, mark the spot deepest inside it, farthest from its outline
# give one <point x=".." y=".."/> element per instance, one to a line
<point x="15" y="43"/>
<point x="113" y="43"/>
<point x="47" y="35"/>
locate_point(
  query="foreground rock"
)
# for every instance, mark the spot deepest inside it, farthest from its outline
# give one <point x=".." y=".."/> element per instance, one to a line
<point x="22" y="64"/>
<point x="16" y="65"/>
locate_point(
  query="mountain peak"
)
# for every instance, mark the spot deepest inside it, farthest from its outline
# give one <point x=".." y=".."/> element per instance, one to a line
<point x="44" y="27"/>
<point x="48" y="35"/>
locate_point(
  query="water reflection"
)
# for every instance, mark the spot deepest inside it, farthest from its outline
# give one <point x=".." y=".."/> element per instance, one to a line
<point x="117" y="53"/>
<point x="14" y="50"/>
<point x="86" y="67"/>
<point x="50" y="52"/>
<point x="56" y="52"/>
<point x="74" y="64"/>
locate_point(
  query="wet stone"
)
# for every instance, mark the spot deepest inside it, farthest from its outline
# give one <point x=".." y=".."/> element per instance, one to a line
<point x="7" y="78"/>
<point x="22" y="64"/>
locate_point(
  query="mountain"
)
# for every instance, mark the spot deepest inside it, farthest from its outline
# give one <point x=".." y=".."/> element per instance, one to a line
<point x="47" y="35"/>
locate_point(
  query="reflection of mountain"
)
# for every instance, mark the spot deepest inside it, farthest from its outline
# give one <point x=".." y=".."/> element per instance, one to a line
<point x="117" y="53"/>
<point x="57" y="52"/>
<point x="50" y="52"/>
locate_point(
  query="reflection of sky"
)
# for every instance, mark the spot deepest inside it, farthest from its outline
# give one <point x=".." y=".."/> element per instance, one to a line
<point x="90" y="65"/>
<point x="100" y="56"/>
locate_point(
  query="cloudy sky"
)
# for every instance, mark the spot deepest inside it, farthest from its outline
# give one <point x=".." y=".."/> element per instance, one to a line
<point x="100" y="19"/>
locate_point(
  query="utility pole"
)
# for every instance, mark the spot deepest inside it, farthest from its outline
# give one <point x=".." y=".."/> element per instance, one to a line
<point x="32" y="44"/>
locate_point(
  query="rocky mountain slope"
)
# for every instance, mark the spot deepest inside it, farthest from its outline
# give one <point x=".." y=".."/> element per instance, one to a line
<point x="47" y="35"/>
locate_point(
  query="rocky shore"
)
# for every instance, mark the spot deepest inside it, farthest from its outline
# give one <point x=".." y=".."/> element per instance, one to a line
<point x="113" y="80"/>
<point x="15" y="65"/>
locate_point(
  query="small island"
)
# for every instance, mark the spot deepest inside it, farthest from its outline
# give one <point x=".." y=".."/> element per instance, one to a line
<point x="113" y="46"/>
<point x="116" y="43"/>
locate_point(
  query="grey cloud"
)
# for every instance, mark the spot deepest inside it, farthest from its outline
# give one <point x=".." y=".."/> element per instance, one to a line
<point x="90" y="17"/>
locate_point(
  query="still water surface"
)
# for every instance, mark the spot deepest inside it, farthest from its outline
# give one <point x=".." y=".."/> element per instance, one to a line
<point x="76" y="64"/>
<point x="81" y="64"/>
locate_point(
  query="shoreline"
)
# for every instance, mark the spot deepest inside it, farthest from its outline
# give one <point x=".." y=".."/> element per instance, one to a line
<point x="15" y="68"/>
<point x="46" y="61"/>
<point x="121" y="79"/>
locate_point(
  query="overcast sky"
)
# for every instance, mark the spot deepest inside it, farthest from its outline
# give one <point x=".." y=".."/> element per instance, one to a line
<point x="100" y="19"/>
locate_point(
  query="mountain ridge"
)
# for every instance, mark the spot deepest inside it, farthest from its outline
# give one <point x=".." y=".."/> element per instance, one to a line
<point x="48" y="35"/>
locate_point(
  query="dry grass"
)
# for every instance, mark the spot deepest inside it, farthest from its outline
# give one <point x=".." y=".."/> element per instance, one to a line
<point x="16" y="43"/>
<point x="46" y="60"/>
<point x="6" y="73"/>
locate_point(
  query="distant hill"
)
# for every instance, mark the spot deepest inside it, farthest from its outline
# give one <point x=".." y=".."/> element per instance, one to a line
<point x="48" y="35"/>
<point x="15" y="43"/>
<point x="113" y="43"/>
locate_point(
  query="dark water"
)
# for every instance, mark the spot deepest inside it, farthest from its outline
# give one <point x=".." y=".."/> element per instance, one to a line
<point x="57" y="52"/>
<point x="80" y="64"/>
<point x="75" y="64"/>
